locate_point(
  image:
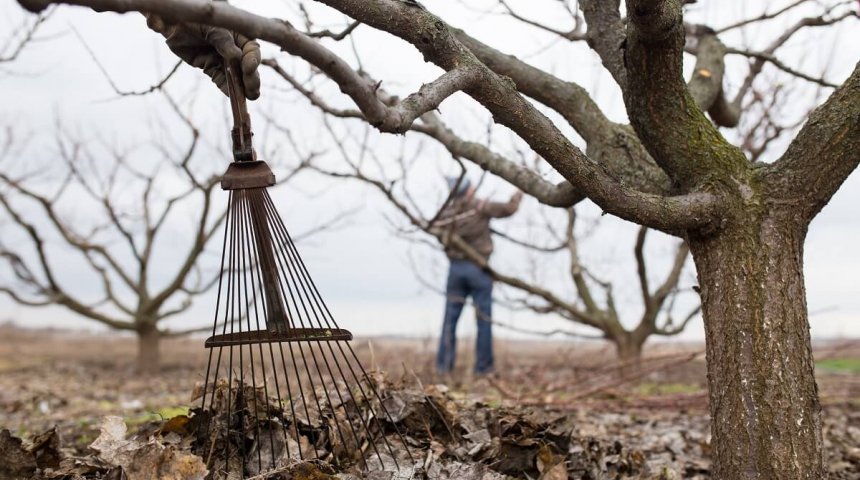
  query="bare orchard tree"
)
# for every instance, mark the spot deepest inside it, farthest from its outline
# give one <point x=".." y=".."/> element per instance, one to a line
<point x="101" y="234"/>
<point x="671" y="169"/>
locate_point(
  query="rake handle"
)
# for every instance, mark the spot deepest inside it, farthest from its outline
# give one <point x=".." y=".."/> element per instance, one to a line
<point x="243" y="150"/>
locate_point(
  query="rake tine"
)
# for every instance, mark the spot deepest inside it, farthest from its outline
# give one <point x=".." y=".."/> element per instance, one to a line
<point x="230" y="307"/>
<point x="215" y="323"/>
<point x="318" y="299"/>
<point x="250" y="261"/>
<point x="244" y="262"/>
<point x="283" y="236"/>
<point x="295" y="366"/>
<point x="284" y="264"/>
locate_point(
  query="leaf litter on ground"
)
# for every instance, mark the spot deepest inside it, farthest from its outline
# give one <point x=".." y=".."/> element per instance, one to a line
<point x="449" y="437"/>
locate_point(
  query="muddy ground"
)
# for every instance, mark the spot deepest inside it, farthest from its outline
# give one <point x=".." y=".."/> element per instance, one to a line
<point x="649" y="422"/>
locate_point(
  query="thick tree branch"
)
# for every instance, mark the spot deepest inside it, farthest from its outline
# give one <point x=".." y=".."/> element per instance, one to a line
<point x="606" y="36"/>
<point x="363" y="93"/>
<point x="706" y="85"/>
<point x="661" y="109"/>
<point x="820" y="158"/>
<point x="427" y="99"/>
<point x="526" y="179"/>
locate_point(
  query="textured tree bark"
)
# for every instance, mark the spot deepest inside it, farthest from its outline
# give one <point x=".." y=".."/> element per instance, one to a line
<point x="763" y="396"/>
<point x="148" y="350"/>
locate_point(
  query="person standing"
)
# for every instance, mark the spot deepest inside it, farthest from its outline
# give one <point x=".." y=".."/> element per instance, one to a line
<point x="469" y="218"/>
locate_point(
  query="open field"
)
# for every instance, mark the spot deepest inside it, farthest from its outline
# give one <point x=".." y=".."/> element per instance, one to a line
<point x="72" y="380"/>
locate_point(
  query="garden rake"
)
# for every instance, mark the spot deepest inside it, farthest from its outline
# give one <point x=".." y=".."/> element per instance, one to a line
<point x="283" y="384"/>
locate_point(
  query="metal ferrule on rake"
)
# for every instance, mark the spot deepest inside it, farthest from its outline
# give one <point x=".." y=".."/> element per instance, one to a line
<point x="272" y="329"/>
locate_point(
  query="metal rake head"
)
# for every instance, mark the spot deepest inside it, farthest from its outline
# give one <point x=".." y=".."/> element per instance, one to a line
<point x="283" y="383"/>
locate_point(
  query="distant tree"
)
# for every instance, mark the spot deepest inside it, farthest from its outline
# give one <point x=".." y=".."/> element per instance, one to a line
<point x="671" y="169"/>
<point x="126" y="222"/>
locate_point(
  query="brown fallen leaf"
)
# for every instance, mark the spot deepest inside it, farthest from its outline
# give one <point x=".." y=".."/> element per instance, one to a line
<point x="550" y="465"/>
<point x="45" y="448"/>
<point x="149" y="460"/>
<point x="15" y="461"/>
<point x="556" y="472"/>
<point x="177" y="424"/>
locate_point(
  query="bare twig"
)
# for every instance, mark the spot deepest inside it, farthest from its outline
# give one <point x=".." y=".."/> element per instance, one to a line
<point x="125" y="93"/>
<point x="13" y="48"/>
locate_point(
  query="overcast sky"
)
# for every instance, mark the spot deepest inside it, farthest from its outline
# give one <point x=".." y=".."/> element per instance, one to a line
<point x="363" y="270"/>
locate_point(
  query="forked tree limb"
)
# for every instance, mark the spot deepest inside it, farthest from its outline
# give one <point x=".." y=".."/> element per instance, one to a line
<point x="655" y="302"/>
<point x="669" y="328"/>
<point x="576" y="268"/>
<point x="661" y="109"/>
<point x="821" y="156"/>
<point x="72" y="238"/>
<point x="706" y="84"/>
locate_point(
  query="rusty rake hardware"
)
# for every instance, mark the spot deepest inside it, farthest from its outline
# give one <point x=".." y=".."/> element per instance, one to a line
<point x="282" y="381"/>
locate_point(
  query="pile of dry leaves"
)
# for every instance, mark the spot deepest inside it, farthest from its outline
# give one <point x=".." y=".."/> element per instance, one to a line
<point x="446" y="439"/>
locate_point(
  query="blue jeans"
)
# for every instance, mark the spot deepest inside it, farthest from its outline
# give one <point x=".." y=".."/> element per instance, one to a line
<point x="467" y="279"/>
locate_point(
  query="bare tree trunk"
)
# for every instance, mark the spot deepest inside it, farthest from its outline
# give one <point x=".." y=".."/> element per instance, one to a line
<point x="628" y="349"/>
<point x="148" y="349"/>
<point x="763" y="396"/>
